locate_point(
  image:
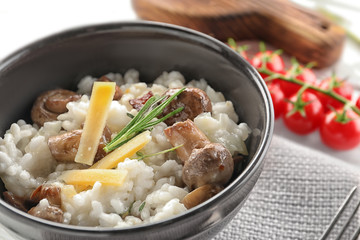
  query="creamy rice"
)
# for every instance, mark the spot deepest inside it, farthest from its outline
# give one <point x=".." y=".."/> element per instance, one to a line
<point x="153" y="189"/>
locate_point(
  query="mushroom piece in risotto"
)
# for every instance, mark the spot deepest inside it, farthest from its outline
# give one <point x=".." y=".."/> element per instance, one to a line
<point x="155" y="150"/>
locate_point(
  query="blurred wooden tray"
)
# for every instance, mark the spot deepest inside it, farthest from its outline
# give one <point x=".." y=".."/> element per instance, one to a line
<point x="299" y="31"/>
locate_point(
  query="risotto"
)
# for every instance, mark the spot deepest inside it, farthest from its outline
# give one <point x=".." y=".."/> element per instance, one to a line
<point x="154" y="187"/>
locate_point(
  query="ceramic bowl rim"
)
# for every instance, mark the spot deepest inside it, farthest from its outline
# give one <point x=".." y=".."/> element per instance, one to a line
<point x="184" y="33"/>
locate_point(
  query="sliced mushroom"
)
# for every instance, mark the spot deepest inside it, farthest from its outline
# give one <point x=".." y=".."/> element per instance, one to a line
<point x="118" y="93"/>
<point x="49" y="105"/>
<point x="64" y="147"/>
<point x="200" y="195"/>
<point x="138" y="103"/>
<point x="59" y="98"/>
<point x="204" y="162"/>
<point x="188" y="134"/>
<point x="51" y="192"/>
<point x="18" y="202"/>
<point x="212" y="164"/>
<point x="52" y="213"/>
<point x="194" y="100"/>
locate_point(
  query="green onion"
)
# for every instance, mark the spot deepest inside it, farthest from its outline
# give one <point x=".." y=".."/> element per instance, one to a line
<point x="144" y="120"/>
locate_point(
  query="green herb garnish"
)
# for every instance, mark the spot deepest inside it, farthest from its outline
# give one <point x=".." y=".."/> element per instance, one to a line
<point x="144" y="120"/>
<point x="127" y="212"/>
<point x="141" y="156"/>
<point x="142" y="206"/>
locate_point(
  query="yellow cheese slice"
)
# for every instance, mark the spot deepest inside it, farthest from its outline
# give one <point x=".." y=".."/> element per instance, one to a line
<point x="125" y="151"/>
<point x="88" y="177"/>
<point x="67" y="192"/>
<point x="95" y="121"/>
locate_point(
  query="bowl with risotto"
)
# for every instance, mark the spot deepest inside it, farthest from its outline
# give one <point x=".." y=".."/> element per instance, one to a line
<point x="133" y="130"/>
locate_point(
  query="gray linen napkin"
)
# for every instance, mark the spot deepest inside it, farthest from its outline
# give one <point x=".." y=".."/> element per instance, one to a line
<point x="296" y="196"/>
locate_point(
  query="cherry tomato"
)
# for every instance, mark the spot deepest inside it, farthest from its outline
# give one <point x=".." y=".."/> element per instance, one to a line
<point x="237" y="48"/>
<point x="340" y="87"/>
<point x="358" y="103"/>
<point x="304" y="115"/>
<point x="241" y="52"/>
<point x="244" y="54"/>
<point x="306" y="75"/>
<point x="277" y="97"/>
<point x="274" y="62"/>
<point x="338" y="133"/>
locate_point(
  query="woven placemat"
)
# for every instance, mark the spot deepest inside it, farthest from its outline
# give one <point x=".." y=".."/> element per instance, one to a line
<point x="296" y="196"/>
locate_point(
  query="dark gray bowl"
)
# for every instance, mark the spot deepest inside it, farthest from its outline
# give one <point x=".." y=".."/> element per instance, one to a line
<point x="62" y="59"/>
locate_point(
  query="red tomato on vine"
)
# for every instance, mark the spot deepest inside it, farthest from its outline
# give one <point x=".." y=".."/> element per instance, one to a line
<point x="303" y="115"/>
<point x="340" y="129"/>
<point x="305" y="110"/>
<point x="303" y="74"/>
<point x="273" y="62"/>
<point x="277" y="97"/>
<point x="239" y="49"/>
<point x="340" y="87"/>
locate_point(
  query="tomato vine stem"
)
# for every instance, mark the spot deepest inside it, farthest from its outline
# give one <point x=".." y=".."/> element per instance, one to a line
<point x="273" y="75"/>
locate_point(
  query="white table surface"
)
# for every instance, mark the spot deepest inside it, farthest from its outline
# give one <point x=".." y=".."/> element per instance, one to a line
<point x="22" y="22"/>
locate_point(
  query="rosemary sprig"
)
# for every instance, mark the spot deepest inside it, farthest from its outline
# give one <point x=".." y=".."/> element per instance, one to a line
<point x="127" y="212"/>
<point x="141" y="156"/>
<point x="142" y="206"/>
<point x="143" y="120"/>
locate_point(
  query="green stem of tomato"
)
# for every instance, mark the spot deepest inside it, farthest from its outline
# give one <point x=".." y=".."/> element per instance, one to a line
<point x="324" y="91"/>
